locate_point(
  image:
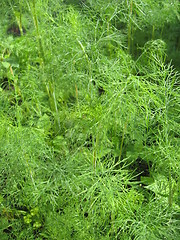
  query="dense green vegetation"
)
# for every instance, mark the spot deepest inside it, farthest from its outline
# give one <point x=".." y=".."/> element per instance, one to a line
<point x="89" y="116"/>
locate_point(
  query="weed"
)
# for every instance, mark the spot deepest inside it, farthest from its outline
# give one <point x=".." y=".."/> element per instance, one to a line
<point x="89" y="115"/>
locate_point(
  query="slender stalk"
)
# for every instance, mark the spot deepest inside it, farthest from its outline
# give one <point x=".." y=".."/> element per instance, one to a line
<point x="89" y="64"/>
<point x="86" y="56"/>
<point x="18" y="16"/>
<point x="122" y="141"/>
<point x="17" y="93"/>
<point x="153" y="30"/>
<point x="53" y="105"/>
<point x="95" y="152"/>
<point x="30" y="171"/>
<point x="77" y="100"/>
<point x="170" y="197"/>
<point x="94" y="159"/>
<point x="50" y="89"/>
<point x="109" y="42"/>
<point x="34" y="14"/>
<point x="130" y="27"/>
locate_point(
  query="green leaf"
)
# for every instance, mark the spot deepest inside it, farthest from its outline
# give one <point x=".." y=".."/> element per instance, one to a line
<point x="37" y="224"/>
<point x="1" y="199"/>
<point x="147" y="180"/>
<point x="44" y="123"/>
<point x="28" y="219"/>
<point x="6" y="64"/>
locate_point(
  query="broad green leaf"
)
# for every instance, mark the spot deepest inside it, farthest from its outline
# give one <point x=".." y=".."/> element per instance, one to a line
<point x="147" y="180"/>
<point x="6" y="64"/>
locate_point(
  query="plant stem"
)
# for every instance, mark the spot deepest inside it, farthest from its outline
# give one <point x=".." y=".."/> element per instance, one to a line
<point x="50" y="89"/>
<point x="18" y="16"/>
<point x="41" y="50"/>
<point x="170" y="197"/>
<point x="53" y="105"/>
<point x="153" y="30"/>
<point x="130" y="27"/>
<point x="17" y="93"/>
<point x="77" y="100"/>
<point x="122" y="140"/>
<point x="88" y="62"/>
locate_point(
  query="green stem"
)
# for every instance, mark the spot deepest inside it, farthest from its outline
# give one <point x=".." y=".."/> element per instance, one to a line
<point x="41" y="50"/>
<point x="122" y="141"/>
<point x="50" y="89"/>
<point x="18" y="16"/>
<point x="153" y="30"/>
<point x="170" y="197"/>
<point x="88" y="62"/>
<point x="53" y="105"/>
<point x="130" y="27"/>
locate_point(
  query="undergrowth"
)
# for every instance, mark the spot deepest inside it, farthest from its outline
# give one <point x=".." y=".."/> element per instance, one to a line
<point x="89" y="115"/>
